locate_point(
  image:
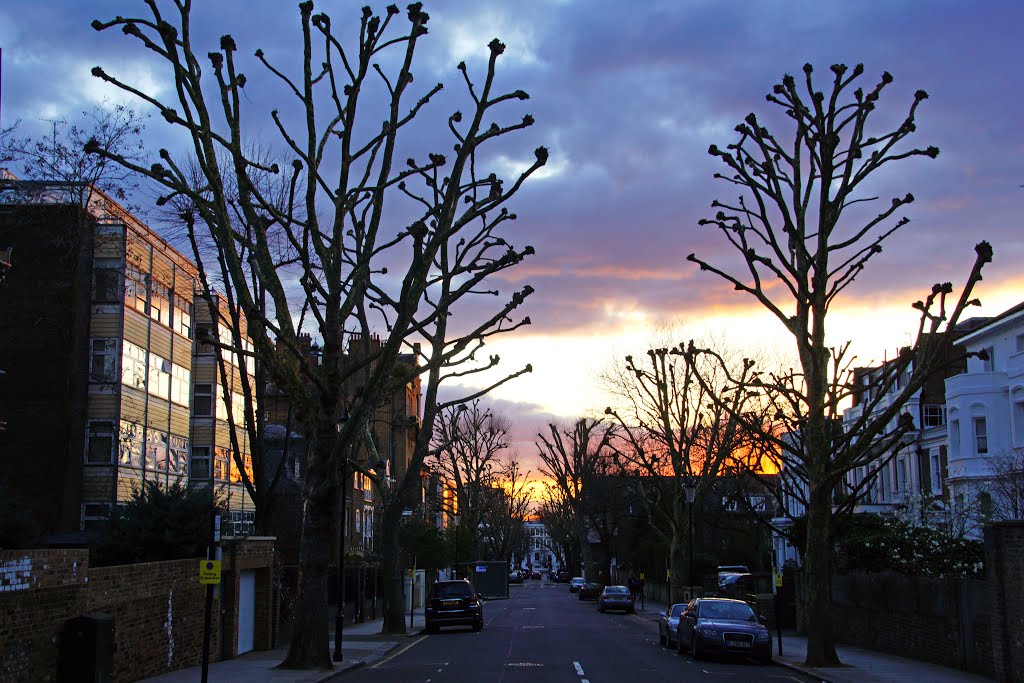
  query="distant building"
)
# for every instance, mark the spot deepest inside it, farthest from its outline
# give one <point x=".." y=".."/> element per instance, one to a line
<point x="539" y="554"/>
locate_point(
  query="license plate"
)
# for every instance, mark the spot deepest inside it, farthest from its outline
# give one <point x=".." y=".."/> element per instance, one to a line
<point x="739" y="643"/>
<point x="449" y="603"/>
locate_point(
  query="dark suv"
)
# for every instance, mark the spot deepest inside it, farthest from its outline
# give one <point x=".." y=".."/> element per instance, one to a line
<point x="454" y="603"/>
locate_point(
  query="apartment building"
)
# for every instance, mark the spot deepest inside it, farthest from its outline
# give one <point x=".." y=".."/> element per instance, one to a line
<point x="97" y="349"/>
<point x="985" y="419"/>
<point x="218" y="388"/>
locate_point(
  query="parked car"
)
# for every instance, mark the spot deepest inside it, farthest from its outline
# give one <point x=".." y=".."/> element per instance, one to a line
<point x="617" y="598"/>
<point x="576" y="583"/>
<point x="535" y="575"/>
<point x="668" y="624"/>
<point x="589" y="591"/>
<point x="454" y="603"/>
<point x="723" y="626"/>
<point x="515" y="576"/>
<point x="561" y="576"/>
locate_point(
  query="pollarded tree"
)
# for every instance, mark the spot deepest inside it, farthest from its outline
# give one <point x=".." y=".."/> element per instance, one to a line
<point x="367" y="252"/>
<point x="801" y="228"/>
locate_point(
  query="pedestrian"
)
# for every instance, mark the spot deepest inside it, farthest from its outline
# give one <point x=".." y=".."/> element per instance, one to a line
<point x="632" y="585"/>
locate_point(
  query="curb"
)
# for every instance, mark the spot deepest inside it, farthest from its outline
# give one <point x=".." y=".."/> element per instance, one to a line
<point x="801" y="669"/>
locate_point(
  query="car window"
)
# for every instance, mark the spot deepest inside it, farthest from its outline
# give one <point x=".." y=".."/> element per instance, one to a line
<point x="452" y="590"/>
<point x="616" y="590"/>
<point x="736" y="611"/>
<point x="677" y="609"/>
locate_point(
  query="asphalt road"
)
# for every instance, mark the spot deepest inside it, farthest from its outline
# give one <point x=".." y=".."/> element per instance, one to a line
<point x="543" y="633"/>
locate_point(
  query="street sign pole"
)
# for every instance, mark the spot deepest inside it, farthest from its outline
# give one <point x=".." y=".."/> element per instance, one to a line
<point x="211" y="554"/>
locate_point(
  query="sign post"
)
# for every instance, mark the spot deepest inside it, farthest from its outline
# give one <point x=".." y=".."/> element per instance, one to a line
<point x="209" y="575"/>
<point x="776" y="585"/>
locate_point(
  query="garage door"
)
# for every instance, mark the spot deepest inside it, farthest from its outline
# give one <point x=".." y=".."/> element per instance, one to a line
<point x="246" y="610"/>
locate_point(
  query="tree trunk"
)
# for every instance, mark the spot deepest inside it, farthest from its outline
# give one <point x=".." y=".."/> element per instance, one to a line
<point x="392" y="570"/>
<point x="309" y="648"/>
<point x="586" y="555"/>
<point x="817" y="579"/>
<point x="677" y="565"/>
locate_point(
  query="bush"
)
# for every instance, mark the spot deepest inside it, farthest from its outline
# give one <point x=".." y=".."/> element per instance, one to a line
<point x="157" y="523"/>
<point x="872" y="543"/>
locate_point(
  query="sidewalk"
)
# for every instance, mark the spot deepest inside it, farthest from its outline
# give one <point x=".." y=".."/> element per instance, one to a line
<point x="362" y="644"/>
<point x="859" y="665"/>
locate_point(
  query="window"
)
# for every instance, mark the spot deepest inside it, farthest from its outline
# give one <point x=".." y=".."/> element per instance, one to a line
<point x="200" y="465"/>
<point x="156" y="450"/>
<point x="180" y="381"/>
<point x="95" y="515"/>
<point x="130" y="444"/>
<point x="159" y="304"/>
<point x="135" y="290"/>
<point x="980" y="435"/>
<point x="990" y="362"/>
<point x="1020" y="343"/>
<point x="937" y="470"/>
<point x="204" y="332"/>
<point x="901" y="474"/>
<point x="954" y="438"/>
<point x="1018" y="417"/>
<point x="182" y="320"/>
<point x="934" y="415"/>
<point x="222" y="409"/>
<point x="159" y="376"/>
<point x="103" y="360"/>
<point x="99" y="443"/>
<point x="220" y="464"/>
<point x="177" y="454"/>
<point x="133" y="365"/>
<point x="236" y="475"/>
<point x="106" y="281"/>
<point x="202" y="400"/>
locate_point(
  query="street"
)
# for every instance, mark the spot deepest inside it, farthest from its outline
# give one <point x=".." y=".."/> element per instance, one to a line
<point x="543" y="633"/>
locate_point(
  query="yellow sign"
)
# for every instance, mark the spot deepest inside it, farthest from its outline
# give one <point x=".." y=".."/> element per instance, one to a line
<point x="778" y="579"/>
<point x="668" y="573"/>
<point x="641" y="576"/>
<point x="209" y="571"/>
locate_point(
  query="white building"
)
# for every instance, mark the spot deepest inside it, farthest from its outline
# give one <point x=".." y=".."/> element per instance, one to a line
<point x="985" y="409"/>
<point x="539" y="554"/>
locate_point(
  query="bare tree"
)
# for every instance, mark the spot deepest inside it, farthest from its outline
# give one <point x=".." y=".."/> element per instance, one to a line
<point x="574" y="460"/>
<point x="557" y="516"/>
<point x="674" y="435"/>
<point x="1006" y="486"/>
<point x="802" y="228"/>
<point x="365" y="243"/>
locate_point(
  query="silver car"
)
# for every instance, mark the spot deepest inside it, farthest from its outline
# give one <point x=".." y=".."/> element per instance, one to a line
<point x="617" y="598"/>
<point x="668" y="624"/>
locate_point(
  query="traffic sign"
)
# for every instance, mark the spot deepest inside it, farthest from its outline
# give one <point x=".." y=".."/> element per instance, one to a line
<point x="641" y="576"/>
<point x="209" y="571"/>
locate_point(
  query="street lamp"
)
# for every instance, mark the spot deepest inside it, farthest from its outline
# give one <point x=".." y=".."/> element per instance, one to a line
<point x="691" y="495"/>
<point x="455" y="518"/>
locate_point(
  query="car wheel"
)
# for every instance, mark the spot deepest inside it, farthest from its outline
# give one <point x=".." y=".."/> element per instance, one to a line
<point x="766" y="659"/>
<point x="662" y="638"/>
<point x="631" y="610"/>
<point x="695" y="649"/>
<point x="432" y="628"/>
<point x="478" y="625"/>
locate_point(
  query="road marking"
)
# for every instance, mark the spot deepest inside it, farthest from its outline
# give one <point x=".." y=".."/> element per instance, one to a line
<point x="579" y="669"/>
<point x="523" y="664"/>
<point x="397" y="652"/>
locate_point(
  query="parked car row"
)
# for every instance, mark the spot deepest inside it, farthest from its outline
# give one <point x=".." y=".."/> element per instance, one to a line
<point x="715" y="626"/>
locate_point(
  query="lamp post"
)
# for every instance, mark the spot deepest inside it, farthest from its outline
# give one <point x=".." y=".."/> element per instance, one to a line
<point x="455" y="518"/>
<point x="339" y="615"/>
<point x="691" y="495"/>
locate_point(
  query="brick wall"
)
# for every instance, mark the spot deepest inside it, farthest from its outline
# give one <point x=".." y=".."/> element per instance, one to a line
<point x="1004" y="567"/>
<point x="944" y="621"/>
<point x="158" y="616"/>
<point x="157" y="609"/>
<point x="39" y="591"/>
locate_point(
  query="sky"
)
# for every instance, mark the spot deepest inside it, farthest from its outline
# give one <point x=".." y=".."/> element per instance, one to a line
<point x="628" y="96"/>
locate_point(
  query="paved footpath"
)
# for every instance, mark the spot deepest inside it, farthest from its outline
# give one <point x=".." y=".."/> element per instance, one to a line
<point x="859" y="665"/>
<point x="362" y="644"/>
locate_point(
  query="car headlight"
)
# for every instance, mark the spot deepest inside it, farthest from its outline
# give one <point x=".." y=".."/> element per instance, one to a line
<point x="762" y="634"/>
<point x="709" y="632"/>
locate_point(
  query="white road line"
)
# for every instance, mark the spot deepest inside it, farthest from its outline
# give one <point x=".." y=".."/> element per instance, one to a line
<point x="583" y="680"/>
<point x="579" y="669"/>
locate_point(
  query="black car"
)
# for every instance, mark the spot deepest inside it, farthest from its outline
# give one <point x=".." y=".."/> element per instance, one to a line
<point x="561" y="576"/>
<point x="589" y="591"/>
<point x="454" y="603"/>
<point x="515" y="576"/>
<point x="720" y="625"/>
